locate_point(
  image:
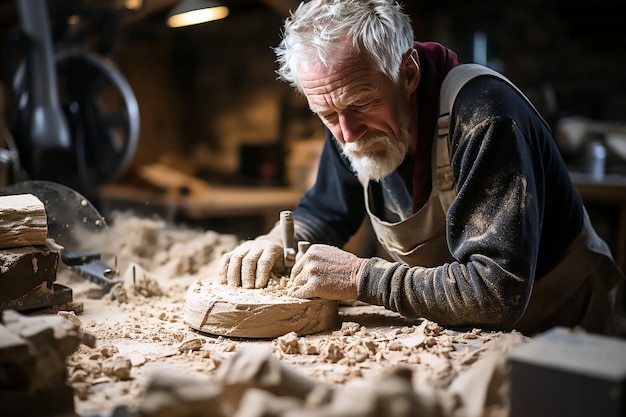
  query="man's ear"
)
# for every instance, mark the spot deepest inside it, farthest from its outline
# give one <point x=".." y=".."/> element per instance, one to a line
<point x="410" y="72"/>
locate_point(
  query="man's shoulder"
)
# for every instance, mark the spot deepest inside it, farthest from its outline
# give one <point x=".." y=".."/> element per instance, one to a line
<point x="489" y="94"/>
<point x="485" y="100"/>
<point x="457" y="77"/>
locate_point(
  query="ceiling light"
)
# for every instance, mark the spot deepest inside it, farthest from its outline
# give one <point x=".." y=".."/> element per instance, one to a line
<point x="193" y="12"/>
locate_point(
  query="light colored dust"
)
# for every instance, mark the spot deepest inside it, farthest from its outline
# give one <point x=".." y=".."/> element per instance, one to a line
<point x="139" y="328"/>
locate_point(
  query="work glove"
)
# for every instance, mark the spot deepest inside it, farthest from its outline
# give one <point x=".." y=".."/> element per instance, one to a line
<point x="250" y="265"/>
<point x="326" y="272"/>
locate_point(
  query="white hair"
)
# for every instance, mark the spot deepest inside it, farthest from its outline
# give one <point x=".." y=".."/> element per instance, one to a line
<point x="378" y="28"/>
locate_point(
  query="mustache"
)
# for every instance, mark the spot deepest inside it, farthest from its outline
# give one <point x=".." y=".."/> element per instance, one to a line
<point x="364" y="143"/>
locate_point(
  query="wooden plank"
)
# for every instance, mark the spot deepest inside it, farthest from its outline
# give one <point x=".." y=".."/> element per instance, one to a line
<point x="217" y="201"/>
<point x="172" y="181"/>
<point x="22" y="221"/>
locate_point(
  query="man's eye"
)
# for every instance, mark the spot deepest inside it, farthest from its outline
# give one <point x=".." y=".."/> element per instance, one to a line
<point x="328" y="116"/>
<point x="362" y="105"/>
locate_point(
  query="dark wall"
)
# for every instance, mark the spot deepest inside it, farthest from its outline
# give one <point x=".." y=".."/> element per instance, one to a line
<point x="208" y="91"/>
<point x="576" y="49"/>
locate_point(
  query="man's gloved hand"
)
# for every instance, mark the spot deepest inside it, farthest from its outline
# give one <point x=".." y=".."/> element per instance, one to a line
<point x="250" y="264"/>
<point x="326" y="272"/>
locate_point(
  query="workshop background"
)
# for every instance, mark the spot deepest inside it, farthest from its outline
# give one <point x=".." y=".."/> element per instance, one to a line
<point x="190" y="125"/>
<point x="211" y="109"/>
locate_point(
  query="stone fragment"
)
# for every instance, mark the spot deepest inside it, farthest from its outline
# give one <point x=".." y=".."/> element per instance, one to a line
<point x="51" y="339"/>
<point x="255" y="313"/>
<point x="171" y="394"/>
<point x="33" y="372"/>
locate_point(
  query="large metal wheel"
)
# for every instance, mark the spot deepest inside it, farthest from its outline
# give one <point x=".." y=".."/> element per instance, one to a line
<point x="102" y="115"/>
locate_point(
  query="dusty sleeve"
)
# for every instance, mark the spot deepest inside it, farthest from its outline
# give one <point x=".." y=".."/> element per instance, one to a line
<point x="493" y="234"/>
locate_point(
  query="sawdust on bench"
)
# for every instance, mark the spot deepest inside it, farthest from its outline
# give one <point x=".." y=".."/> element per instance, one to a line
<point x="139" y="327"/>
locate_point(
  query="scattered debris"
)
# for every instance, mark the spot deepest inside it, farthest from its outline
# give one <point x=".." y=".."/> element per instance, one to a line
<point x="143" y="344"/>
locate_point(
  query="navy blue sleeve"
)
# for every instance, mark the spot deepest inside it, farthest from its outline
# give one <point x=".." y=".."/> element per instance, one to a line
<point x="333" y="209"/>
<point x="513" y="195"/>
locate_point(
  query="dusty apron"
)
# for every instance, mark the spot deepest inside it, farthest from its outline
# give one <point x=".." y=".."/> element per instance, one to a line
<point x="579" y="291"/>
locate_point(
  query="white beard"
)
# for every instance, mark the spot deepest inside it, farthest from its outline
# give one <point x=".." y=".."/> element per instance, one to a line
<point x="377" y="166"/>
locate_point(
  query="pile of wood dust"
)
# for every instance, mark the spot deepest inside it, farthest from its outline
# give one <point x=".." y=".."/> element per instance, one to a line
<point x="140" y="331"/>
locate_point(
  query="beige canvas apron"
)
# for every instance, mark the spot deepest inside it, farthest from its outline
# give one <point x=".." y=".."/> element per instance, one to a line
<point x="579" y="291"/>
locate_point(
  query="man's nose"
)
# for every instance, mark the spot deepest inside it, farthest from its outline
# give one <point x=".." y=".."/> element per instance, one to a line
<point x="352" y="128"/>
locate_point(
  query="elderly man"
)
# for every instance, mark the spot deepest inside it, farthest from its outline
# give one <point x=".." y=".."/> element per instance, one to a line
<point x="458" y="173"/>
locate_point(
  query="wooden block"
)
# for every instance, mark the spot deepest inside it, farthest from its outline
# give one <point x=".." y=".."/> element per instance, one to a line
<point x="255" y="313"/>
<point x="565" y="373"/>
<point x="22" y="221"/>
<point x="40" y="298"/>
<point x="24" y="269"/>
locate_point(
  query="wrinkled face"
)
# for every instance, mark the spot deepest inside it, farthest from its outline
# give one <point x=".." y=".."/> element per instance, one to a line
<point x="364" y="109"/>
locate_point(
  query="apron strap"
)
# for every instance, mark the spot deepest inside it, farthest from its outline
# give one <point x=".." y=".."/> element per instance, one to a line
<point x="456" y="78"/>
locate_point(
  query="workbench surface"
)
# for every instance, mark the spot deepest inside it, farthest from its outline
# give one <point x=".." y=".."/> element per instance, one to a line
<point x="141" y="322"/>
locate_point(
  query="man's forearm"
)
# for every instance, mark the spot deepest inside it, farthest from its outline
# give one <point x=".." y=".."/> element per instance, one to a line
<point x="478" y="294"/>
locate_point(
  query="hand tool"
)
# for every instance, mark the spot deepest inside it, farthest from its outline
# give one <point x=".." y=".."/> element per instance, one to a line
<point x="303" y="246"/>
<point x="287" y="233"/>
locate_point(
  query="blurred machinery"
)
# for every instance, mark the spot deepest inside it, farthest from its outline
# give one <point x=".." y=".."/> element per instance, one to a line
<point x="72" y="117"/>
<point x="599" y="147"/>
